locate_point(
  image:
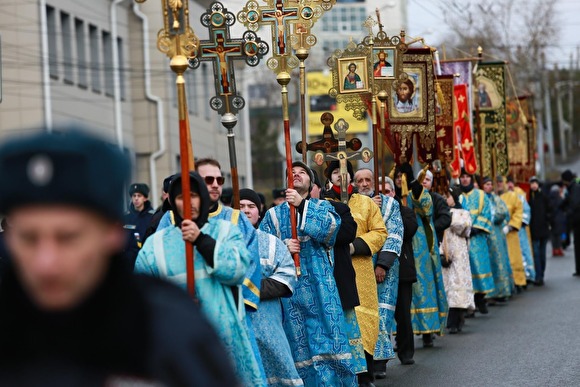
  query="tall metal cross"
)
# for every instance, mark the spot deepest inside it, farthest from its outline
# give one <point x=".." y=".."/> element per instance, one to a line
<point x="342" y="155"/>
<point x="222" y="51"/>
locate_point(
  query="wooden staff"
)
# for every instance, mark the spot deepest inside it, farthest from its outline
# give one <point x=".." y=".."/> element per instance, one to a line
<point x="283" y="79"/>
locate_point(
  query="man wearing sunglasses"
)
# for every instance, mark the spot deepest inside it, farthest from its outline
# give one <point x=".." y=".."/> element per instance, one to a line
<point x="386" y="265"/>
<point x="210" y="171"/>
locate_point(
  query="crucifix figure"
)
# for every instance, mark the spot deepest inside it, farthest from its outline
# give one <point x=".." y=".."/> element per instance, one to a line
<point x="279" y="18"/>
<point x="222" y="51"/>
<point x="342" y="155"/>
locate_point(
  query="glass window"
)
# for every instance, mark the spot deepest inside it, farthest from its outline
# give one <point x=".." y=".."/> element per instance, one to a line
<point x="95" y="58"/>
<point x="65" y="25"/>
<point x="52" y="44"/>
<point x="108" y="63"/>
<point x="81" y="52"/>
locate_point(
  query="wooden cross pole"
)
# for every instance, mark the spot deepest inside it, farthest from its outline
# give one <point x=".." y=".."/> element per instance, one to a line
<point x="222" y="51"/>
<point x="342" y="155"/>
<point x="178" y="41"/>
<point x="278" y="14"/>
<point x="302" y="41"/>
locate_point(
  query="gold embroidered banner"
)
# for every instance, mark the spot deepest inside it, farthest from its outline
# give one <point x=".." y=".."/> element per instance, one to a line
<point x="521" y="138"/>
<point x="490" y="119"/>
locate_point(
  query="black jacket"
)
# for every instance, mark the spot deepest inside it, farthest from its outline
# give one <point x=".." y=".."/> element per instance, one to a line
<point x="441" y="214"/>
<point x="344" y="273"/>
<point x="130" y="327"/>
<point x="571" y="205"/>
<point x="407" y="271"/>
<point x="135" y="224"/>
<point x="155" y="219"/>
<point x="541" y="214"/>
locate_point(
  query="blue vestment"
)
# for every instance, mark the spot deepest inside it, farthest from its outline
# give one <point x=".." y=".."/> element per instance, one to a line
<point x="498" y="250"/>
<point x="479" y="206"/>
<point x="315" y="324"/>
<point x="163" y="255"/>
<point x="525" y="240"/>
<point x="429" y="306"/>
<point x="276" y="263"/>
<point x="388" y="289"/>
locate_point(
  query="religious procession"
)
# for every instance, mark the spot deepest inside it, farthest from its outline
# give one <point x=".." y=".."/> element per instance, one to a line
<point x="417" y="196"/>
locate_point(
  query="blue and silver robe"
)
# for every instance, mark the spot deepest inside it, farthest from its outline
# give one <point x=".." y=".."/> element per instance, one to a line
<point x="479" y="206"/>
<point x="389" y="287"/>
<point x="498" y="250"/>
<point x="525" y="244"/>
<point x="276" y="263"/>
<point x="163" y="255"/>
<point x="315" y="323"/>
<point x="251" y="284"/>
<point x="429" y="305"/>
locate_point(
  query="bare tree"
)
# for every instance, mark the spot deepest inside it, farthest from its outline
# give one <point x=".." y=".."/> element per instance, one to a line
<point x="517" y="31"/>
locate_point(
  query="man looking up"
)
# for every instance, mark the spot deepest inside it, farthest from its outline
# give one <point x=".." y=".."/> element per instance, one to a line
<point x="315" y="323"/>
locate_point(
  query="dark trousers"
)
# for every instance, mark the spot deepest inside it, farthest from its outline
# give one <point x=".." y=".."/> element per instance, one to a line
<point x="577" y="247"/>
<point x="456" y="318"/>
<point x="405" y="340"/>
<point x="369" y="376"/>
<point x="539" y="246"/>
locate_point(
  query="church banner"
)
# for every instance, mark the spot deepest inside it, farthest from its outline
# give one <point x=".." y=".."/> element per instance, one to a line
<point x="412" y="105"/>
<point x="490" y="119"/>
<point x="444" y="113"/>
<point x="521" y="138"/>
<point x="465" y="148"/>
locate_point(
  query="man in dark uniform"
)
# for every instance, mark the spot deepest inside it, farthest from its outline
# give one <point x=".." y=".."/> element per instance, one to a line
<point x="161" y="210"/>
<point x="137" y="220"/>
<point x="70" y="311"/>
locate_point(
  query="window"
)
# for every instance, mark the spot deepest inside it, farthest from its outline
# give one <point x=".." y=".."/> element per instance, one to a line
<point x="95" y="58"/>
<point x="81" y="53"/>
<point x="52" y="46"/>
<point x="121" y="58"/>
<point x="108" y="63"/>
<point x="65" y="25"/>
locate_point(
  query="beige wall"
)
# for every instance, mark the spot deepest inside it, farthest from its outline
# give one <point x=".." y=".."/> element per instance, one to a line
<point x="23" y="99"/>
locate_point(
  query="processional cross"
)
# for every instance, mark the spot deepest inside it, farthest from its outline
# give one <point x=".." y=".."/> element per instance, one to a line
<point x="222" y="51"/>
<point x="342" y="155"/>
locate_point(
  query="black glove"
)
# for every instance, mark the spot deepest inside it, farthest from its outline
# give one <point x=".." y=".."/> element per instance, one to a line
<point x="445" y="262"/>
<point x="474" y="232"/>
<point x="386" y="259"/>
<point x="407" y="169"/>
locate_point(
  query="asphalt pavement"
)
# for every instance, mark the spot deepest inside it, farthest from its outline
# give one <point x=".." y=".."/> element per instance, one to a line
<point x="532" y="340"/>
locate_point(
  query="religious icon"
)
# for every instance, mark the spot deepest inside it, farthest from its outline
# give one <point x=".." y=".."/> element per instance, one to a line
<point x="353" y="72"/>
<point x="408" y="95"/>
<point x="486" y="95"/>
<point x="383" y="62"/>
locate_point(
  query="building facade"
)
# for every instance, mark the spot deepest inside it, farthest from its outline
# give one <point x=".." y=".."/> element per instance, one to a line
<point x="96" y="63"/>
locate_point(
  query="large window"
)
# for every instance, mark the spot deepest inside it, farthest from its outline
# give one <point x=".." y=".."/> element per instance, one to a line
<point x="108" y="63"/>
<point x="65" y="26"/>
<point x="95" y="58"/>
<point x="81" y="53"/>
<point x="122" y="69"/>
<point x="52" y="44"/>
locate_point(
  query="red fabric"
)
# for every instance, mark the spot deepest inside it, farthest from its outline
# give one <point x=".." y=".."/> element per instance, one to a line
<point x="463" y="133"/>
<point x="336" y="188"/>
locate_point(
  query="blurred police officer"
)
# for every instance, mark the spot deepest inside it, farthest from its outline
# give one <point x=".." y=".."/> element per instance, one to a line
<point x="70" y="311"/>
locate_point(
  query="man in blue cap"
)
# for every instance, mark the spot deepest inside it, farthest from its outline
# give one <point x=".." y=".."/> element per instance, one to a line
<point x="71" y="312"/>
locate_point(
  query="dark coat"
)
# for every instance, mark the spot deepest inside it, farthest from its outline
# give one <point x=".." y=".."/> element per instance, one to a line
<point x="344" y="273"/>
<point x="558" y="223"/>
<point x="571" y="205"/>
<point x="135" y="224"/>
<point x="131" y="327"/>
<point x="156" y="218"/>
<point x="407" y="271"/>
<point x="541" y="215"/>
<point x="441" y="214"/>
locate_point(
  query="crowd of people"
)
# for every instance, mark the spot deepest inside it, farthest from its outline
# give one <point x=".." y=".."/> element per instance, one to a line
<point x="377" y="267"/>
